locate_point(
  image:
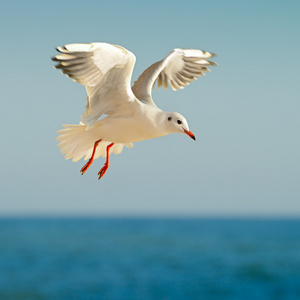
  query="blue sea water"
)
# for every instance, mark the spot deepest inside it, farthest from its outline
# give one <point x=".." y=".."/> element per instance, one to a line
<point x="149" y="259"/>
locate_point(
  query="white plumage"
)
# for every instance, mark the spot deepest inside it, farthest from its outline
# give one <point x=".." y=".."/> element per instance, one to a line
<point x="128" y="114"/>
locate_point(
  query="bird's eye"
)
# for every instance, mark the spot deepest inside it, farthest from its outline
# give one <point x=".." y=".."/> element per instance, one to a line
<point x="179" y="122"/>
<point x="170" y="118"/>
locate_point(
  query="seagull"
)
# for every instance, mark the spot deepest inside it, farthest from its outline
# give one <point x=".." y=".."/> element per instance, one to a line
<point x="117" y="114"/>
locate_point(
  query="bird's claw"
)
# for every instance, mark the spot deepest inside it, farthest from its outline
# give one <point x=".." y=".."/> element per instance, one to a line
<point x="85" y="167"/>
<point x="102" y="171"/>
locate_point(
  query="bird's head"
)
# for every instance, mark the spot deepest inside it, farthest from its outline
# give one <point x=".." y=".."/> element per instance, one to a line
<point x="176" y="123"/>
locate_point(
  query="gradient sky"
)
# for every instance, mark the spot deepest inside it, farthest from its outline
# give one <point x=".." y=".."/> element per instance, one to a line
<point x="245" y="113"/>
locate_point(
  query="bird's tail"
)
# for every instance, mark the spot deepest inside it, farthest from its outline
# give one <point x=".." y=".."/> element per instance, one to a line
<point x="77" y="141"/>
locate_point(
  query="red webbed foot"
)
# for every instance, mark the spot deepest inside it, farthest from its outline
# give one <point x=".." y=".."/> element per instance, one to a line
<point x="105" y="167"/>
<point x="102" y="171"/>
<point x="86" y="166"/>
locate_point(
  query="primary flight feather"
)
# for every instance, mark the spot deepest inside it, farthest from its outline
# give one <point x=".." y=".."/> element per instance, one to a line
<point x="130" y="114"/>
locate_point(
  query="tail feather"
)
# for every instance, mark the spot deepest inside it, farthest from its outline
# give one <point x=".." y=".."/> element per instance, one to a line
<point x="77" y="141"/>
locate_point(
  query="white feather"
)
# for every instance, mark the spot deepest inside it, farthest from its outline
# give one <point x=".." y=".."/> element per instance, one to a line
<point x="75" y="141"/>
<point x="178" y="69"/>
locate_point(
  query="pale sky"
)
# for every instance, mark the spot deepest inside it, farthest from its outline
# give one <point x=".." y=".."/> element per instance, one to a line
<point x="244" y="114"/>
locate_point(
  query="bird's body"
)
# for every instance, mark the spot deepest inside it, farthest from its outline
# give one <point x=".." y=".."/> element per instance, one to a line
<point x="127" y="114"/>
<point x="144" y="123"/>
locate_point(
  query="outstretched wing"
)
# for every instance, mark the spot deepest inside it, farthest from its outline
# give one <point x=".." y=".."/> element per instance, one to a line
<point x="178" y="69"/>
<point x="105" y="70"/>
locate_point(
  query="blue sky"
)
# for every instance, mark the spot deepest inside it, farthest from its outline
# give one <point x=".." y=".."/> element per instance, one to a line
<point x="245" y="113"/>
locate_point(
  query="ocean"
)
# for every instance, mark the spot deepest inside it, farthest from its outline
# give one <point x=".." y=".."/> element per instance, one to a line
<point x="154" y="258"/>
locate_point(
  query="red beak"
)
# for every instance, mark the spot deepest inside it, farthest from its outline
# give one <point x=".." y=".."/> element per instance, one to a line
<point x="190" y="134"/>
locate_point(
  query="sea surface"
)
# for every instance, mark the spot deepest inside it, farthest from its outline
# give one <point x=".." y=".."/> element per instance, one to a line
<point x="58" y="258"/>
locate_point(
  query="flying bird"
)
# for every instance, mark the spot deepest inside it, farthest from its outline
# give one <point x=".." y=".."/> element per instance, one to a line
<point x="117" y="114"/>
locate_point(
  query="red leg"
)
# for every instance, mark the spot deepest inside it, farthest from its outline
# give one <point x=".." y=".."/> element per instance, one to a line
<point x="87" y="165"/>
<point x="105" y="167"/>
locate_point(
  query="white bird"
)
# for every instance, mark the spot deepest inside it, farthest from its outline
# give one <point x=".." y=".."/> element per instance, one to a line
<point x="128" y="114"/>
